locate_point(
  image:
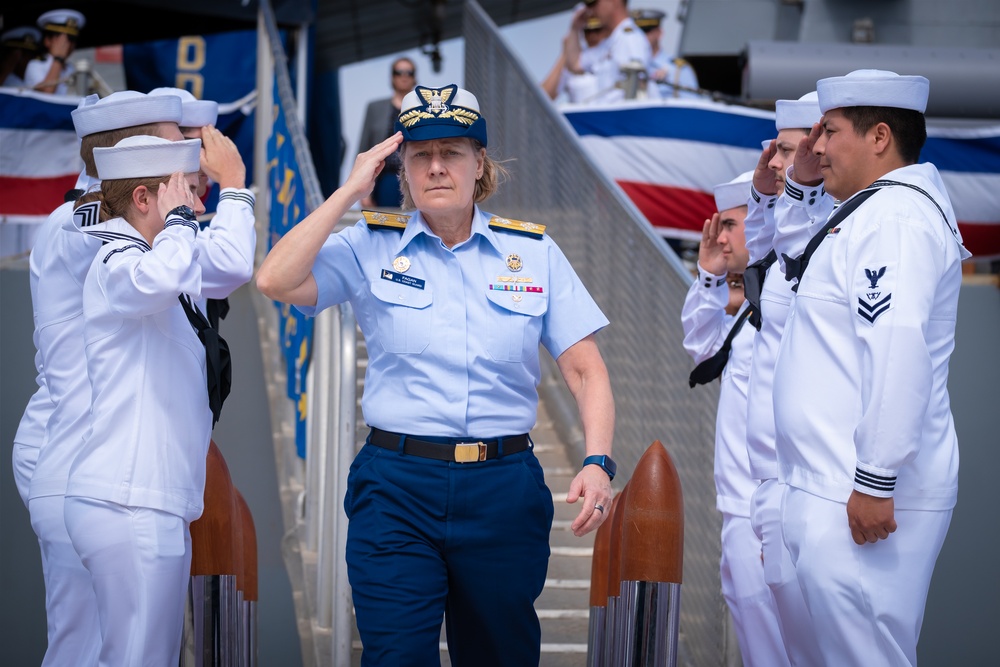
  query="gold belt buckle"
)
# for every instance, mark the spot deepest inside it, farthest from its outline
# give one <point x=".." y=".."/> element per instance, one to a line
<point x="467" y="452"/>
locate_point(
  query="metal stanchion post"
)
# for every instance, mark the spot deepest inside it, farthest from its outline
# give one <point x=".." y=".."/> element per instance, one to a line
<point x="652" y="545"/>
<point x="215" y="562"/>
<point x="248" y="617"/>
<point x="82" y="76"/>
<point x="633" y="71"/>
<point x="599" y="589"/>
<point x="612" y="633"/>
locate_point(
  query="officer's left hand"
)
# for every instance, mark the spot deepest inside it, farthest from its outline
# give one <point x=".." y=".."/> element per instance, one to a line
<point x="594" y="486"/>
<point x="871" y="519"/>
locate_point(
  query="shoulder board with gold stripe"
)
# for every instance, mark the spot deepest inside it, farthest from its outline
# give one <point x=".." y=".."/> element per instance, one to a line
<point x="680" y="62"/>
<point x="381" y="220"/>
<point x="531" y="229"/>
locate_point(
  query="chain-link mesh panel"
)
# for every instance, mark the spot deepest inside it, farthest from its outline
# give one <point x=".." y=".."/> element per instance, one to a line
<point x="639" y="283"/>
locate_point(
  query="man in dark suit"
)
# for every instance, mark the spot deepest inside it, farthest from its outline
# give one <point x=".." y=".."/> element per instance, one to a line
<point x="379" y="120"/>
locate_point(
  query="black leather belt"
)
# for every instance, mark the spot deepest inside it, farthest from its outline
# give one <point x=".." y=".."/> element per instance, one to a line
<point x="459" y="450"/>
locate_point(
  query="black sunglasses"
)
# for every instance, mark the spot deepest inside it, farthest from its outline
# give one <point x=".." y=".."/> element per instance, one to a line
<point x="402" y="72"/>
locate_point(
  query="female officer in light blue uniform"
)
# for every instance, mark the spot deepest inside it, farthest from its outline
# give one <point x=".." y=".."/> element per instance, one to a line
<point x="449" y="512"/>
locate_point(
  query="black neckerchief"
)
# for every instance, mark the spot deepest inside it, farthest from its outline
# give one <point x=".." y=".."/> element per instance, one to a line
<point x="753" y="283"/>
<point x="217" y="357"/>
<point x="711" y="368"/>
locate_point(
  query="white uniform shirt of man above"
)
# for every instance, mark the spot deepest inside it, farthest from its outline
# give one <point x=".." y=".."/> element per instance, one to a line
<point x="37" y="68"/>
<point x="626" y="45"/>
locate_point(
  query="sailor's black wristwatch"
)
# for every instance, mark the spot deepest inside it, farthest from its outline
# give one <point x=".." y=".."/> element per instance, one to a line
<point x="604" y="461"/>
<point x="183" y="211"/>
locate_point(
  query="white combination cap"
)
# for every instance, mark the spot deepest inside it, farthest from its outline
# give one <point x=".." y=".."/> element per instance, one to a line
<point x="647" y="19"/>
<point x="802" y="113"/>
<point x="67" y="21"/>
<point x="194" y="112"/>
<point x="24" y="37"/>
<point x="440" y="113"/>
<point x="144" y="156"/>
<point x="873" y="88"/>
<point x="126" y="108"/>
<point x="734" y="193"/>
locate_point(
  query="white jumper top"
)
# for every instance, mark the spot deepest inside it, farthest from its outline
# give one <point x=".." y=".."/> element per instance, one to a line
<point x="706" y="326"/>
<point x="860" y="386"/>
<point x="63" y="256"/>
<point x="150" y="420"/>
<point x="792" y="219"/>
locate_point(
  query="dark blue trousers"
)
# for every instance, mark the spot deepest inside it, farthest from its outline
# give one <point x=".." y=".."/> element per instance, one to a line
<point x="465" y="541"/>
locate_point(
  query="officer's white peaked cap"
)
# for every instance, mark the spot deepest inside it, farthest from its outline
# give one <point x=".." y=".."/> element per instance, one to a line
<point x="801" y="113"/>
<point x="648" y="19"/>
<point x="144" y="156"/>
<point x="440" y="113"/>
<point x="67" y="21"/>
<point x="194" y="112"/>
<point x="22" y="37"/>
<point x="873" y="88"/>
<point x="734" y="193"/>
<point x="125" y="108"/>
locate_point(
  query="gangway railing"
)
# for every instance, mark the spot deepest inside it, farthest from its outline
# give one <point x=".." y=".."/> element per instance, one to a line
<point x="312" y="488"/>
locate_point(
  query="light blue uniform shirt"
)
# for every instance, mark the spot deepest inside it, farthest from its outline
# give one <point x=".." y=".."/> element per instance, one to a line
<point x="676" y="75"/>
<point x="453" y="341"/>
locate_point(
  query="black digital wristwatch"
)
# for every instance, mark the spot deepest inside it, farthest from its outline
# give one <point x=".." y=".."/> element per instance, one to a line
<point x="183" y="211"/>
